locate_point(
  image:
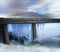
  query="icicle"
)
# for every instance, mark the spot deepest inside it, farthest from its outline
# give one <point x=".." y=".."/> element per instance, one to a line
<point x="42" y="27"/>
<point x="18" y="32"/>
<point x="10" y="29"/>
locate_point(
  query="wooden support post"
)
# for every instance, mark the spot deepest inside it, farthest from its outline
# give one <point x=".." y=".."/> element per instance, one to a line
<point x="5" y="34"/>
<point x="34" y="30"/>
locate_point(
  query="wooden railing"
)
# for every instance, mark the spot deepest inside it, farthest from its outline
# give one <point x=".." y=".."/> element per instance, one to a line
<point x="33" y="21"/>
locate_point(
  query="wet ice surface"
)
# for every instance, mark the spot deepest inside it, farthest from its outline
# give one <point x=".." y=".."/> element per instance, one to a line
<point x="22" y="48"/>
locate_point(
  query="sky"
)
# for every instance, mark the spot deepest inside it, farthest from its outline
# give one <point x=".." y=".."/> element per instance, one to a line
<point x="37" y="6"/>
<point x="10" y="7"/>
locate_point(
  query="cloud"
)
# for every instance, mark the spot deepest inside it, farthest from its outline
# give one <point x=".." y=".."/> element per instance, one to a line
<point x="21" y="6"/>
<point x="14" y="3"/>
<point x="39" y="4"/>
<point x="10" y="6"/>
<point x="5" y="3"/>
<point x="41" y="7"/>
<point x="22" y="3"/>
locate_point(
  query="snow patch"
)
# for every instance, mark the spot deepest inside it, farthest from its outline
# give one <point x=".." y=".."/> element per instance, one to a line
<point x="21" y="48"/>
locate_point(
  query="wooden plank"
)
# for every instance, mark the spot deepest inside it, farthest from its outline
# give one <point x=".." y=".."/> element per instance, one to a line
<point x="5" y="34"/>
<point x="28" y="20"/>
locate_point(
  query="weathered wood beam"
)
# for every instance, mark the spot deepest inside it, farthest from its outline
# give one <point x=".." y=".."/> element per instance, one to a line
<point x="34" y="35"/>
<point x="5" y="34"/>
<point x="28" y="20"/>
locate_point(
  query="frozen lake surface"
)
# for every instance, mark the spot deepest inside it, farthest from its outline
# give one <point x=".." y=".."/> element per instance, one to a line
<point x="21" y="48"/>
